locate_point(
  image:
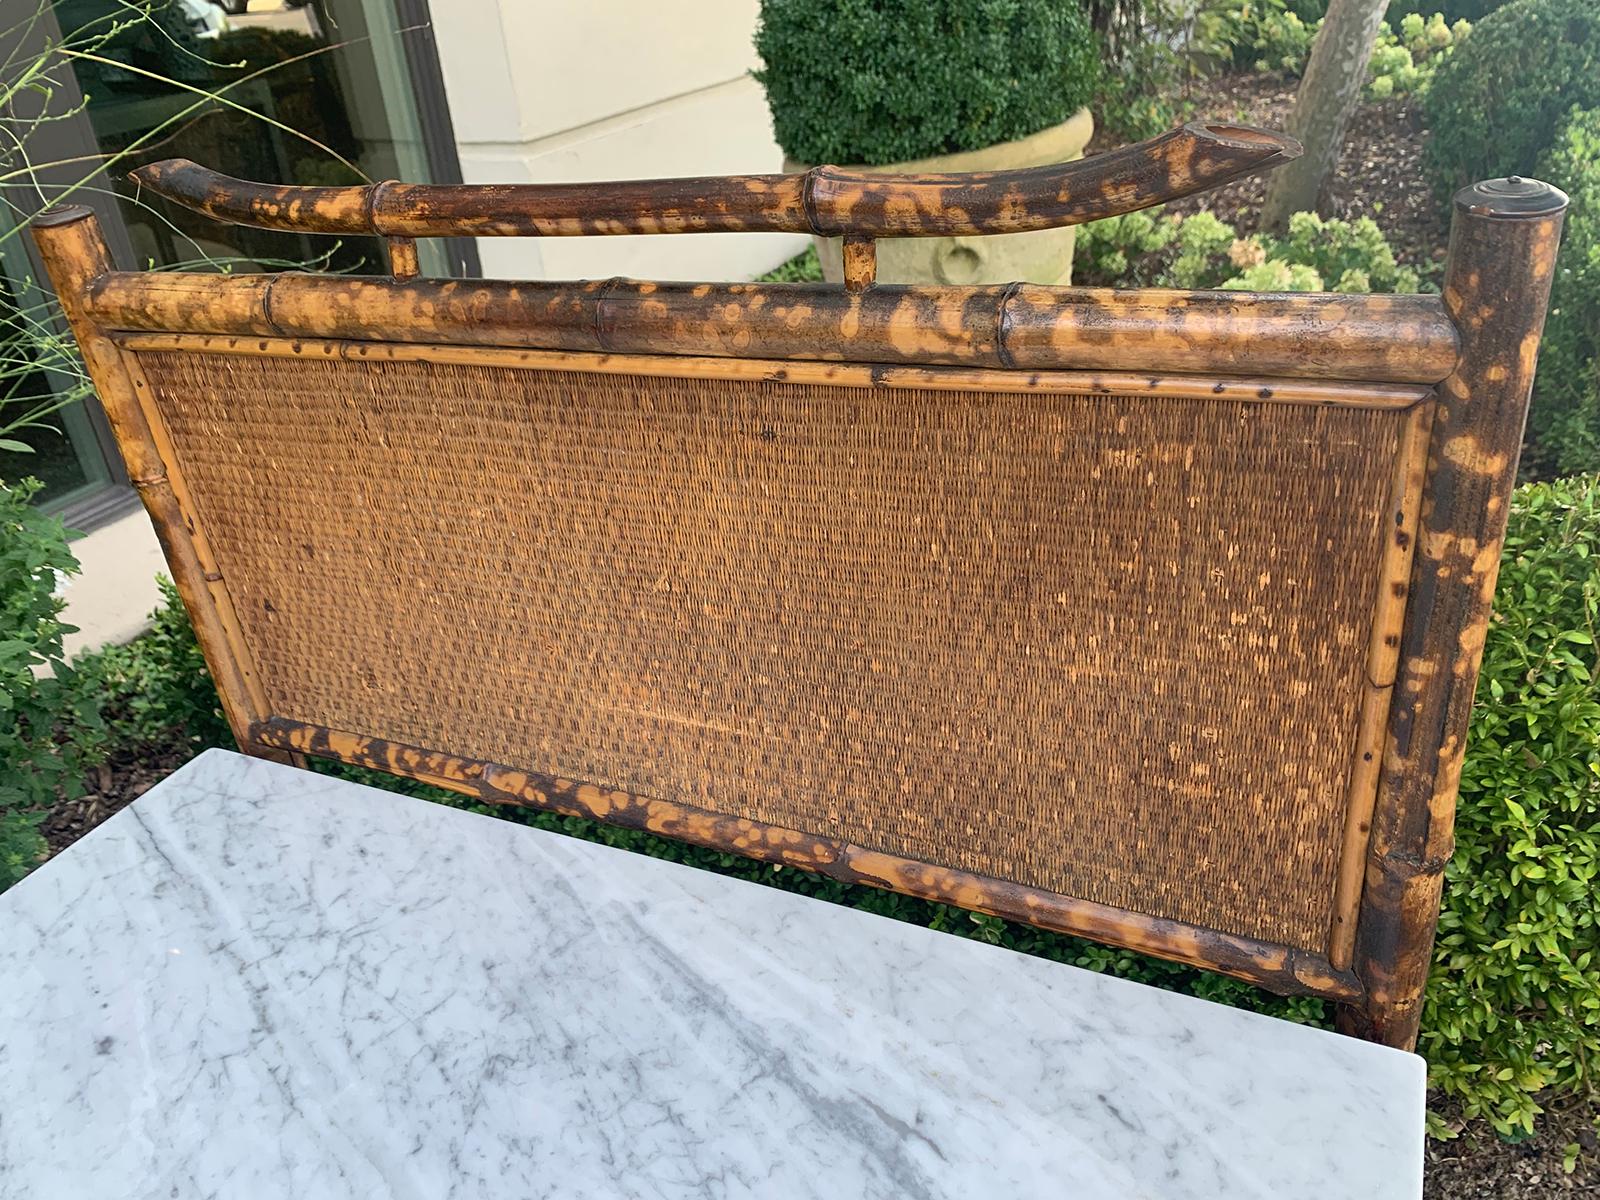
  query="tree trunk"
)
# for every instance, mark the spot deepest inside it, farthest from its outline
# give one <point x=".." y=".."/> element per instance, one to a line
<point x="1328" y="95"/>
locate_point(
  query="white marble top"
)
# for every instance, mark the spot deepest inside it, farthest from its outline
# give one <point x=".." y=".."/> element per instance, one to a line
<point x="259" y="982"/>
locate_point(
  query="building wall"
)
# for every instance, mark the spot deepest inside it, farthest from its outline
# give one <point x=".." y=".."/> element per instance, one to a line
<point x="566" y="90"/>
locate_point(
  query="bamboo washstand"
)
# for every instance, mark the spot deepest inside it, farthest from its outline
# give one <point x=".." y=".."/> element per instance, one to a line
<point x="1147" y="616"/>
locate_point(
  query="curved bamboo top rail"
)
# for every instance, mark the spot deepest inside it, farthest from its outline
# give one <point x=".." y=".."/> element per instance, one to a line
<point x="827" y="201"/>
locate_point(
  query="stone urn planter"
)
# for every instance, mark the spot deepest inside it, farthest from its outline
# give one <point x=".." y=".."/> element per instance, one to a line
<point x="1040" y="256"/>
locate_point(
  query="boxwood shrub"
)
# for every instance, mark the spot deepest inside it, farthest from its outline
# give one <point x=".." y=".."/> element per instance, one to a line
<point x="883" y="81"/>
<point x="1497" y="103"/>
<point x="1513" y="1005"/>
<point x="1564" y="426"/>
<point x="1147" y="249"/>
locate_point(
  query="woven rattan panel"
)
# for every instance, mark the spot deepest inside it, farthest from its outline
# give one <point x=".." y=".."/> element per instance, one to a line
<point x="1112" y="647"/>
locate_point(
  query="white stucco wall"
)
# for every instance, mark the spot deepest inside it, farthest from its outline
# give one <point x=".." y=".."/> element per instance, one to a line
<point x="609" y="89"/>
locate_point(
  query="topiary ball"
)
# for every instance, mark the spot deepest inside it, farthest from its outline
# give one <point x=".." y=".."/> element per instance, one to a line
<point x="884" y="81"/>
<point x="1497" y="103"/>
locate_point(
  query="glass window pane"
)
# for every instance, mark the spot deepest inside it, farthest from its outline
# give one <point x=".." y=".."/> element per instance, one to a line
<point x="310" y="91"/>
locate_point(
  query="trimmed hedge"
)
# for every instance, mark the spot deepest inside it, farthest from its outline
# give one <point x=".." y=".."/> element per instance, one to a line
<point x="1513" y="1005"/>
<point x="1564" y="426"/>
<point x="1497" y="103"/>
<point x="883" y="81"/>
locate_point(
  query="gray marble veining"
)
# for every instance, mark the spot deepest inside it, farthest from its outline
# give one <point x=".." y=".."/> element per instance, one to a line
<point x="257" y="982"/>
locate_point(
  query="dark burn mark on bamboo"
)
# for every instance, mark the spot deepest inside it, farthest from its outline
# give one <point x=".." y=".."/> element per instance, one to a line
<point x="1278" y="968"/>
<point x="827" y="201"/>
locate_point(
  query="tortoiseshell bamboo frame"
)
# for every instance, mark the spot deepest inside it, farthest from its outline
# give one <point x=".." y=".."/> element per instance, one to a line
<point x="1461" y="367"/>
<point x="826" y="201"/>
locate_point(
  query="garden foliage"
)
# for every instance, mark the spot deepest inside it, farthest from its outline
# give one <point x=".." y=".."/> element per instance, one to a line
<point x="1153" y="51"/>
<point x="1564" y="426"/>
<point x="1262" y="35"/>
<point x="1269" y="35"/>
<point x="1497" y="104"/>
<point x="148" y="690"/>
<point x="49" y="729"/>
<point x="1406" y="62"/>
<point x="1452" y="10"/>
<point x="883" y="81"/>
<point x="1146" y="249"/>
<point x="1513" y="1005"/>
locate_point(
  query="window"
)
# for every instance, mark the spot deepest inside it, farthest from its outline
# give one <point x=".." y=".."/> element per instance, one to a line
<point x="303" y="91"/>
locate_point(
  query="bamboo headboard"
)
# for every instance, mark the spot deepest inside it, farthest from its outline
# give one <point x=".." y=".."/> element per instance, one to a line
<point x="1148" y="616"/>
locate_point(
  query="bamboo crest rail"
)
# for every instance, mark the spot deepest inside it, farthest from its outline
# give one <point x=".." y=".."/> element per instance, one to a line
<point x="826" y="201"/>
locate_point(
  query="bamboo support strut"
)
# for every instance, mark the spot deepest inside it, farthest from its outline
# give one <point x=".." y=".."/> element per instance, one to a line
<point x="860" y="256"/>
<point x="1392" y="339"/>
<point x="826" y="201"/>
<point x="403" y="262"/>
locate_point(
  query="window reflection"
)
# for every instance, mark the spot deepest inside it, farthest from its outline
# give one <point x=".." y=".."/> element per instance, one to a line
<point x="65" y="454"/>
<point x="308" y="91"/>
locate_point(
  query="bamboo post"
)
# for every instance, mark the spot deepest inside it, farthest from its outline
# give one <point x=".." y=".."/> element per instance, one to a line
<point x="75" y="255"/>
<point x="1503" y="244"/>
